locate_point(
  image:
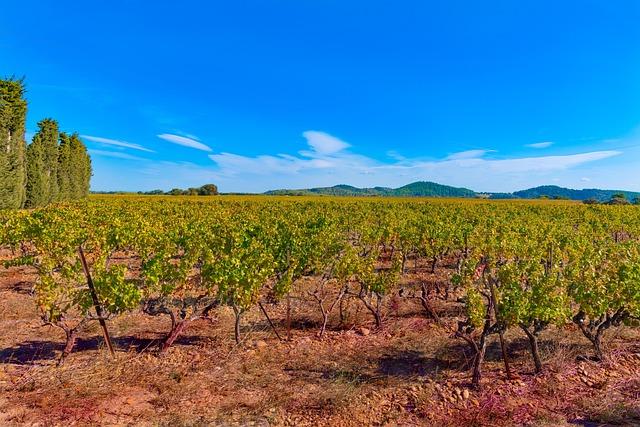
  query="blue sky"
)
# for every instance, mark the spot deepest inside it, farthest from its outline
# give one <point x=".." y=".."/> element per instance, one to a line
<point x="257" y="95"/>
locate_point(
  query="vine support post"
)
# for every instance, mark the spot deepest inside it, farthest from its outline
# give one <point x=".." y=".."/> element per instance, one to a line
<point x="264" y="311"/>
<point x="96" y="302"/>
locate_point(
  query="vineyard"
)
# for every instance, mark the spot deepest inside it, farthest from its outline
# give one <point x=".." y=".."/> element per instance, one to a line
<point x="478" y="298"/>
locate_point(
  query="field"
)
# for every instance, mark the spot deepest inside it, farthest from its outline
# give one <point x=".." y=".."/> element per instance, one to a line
<point x="320" y="311"/>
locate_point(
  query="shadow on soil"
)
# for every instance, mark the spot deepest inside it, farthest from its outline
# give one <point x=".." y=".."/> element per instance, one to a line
<point x="520" y="348"/>
<point x="346" y="375"/>
<point x="36" y="352"/>
<point x="21" y="287"/>
<point x="402" y="364"/>
<point x="300" y="323"/>
<point x="410" y="363"/>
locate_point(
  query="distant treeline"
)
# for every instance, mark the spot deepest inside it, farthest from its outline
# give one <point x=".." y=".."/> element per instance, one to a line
<point x="205" y="190"/>
<point x="616" y="199"/>
<point x="54" y="167"/>
<point x="561" y="193"/>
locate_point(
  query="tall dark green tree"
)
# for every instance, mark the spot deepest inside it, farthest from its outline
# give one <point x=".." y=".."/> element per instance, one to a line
<point x="64" y="167"/>
<point x="13" y="112"/>
<point x="42" y="165"/>
<point x="50" y="153"/>
<point x="87" y="171"/>
<point x="36" y="188"/>
<point x="80" y="169"/>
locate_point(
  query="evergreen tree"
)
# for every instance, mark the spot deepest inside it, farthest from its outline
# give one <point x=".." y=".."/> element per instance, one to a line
<point x="80" y="169"/>
<point x="64" y="167"/>
<point x="87" y="169"/>
<point x="36" y="187"/>
<point x="13" y="111"/>
<point x="50" y="157"/>
<point x="42" y="165"/>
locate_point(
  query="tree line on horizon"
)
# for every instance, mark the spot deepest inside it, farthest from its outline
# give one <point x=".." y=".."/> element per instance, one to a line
<point x="54" y="167"/>
<point x="616" y="199"/>
<point x="205" y="190"/>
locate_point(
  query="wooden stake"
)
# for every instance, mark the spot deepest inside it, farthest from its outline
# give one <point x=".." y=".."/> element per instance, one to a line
<point x="96" y="303"/>
<point x="269" y="320"/>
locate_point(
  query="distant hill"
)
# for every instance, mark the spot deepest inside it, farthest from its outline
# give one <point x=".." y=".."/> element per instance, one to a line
<point x="416" y="189"/>
<point x="555" y="192"/>
<point x="432" y="189"/>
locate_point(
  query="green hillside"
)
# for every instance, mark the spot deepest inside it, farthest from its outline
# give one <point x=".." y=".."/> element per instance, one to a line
<point x="555" y="192"/>
<point x="416" y="189"/>
<point x="432" y="189"/>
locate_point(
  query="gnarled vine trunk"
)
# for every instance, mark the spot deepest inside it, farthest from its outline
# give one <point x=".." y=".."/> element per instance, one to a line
<point x="374" y="309"/>
<point x="176" y="331"/>
<point x="236" y="330"/>
<point x="426" y="303"/>
<point x="594" y="329"/>
<point x="465" y="332"/>
<point x="71" y="337"/>
<point x="534" y="348"/>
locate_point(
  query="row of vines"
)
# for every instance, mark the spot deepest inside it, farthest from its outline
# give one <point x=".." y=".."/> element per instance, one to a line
<point x="513" y="265"/>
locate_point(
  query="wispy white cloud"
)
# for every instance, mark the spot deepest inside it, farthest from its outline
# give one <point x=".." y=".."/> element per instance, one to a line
<point x="325" y="152"/>
<point x="544" y="144"/>
<point x="114" y="154"/>
<point x="185" y="141"/>
<point x="547" y="163"/>
<point x="323" y="143"/>
<point x="469" y="154"/>
<point x="395" y="155"/>
<point x="116" y="143"/>
<point x="233" y="164"/>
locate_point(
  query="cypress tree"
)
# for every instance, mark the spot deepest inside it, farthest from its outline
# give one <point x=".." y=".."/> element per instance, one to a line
<point x="87" y="169"/>
<point x="13" y="111"/>
<point x="42" y="165"/>
<point x="50" y="157"/>
<point x="64" y="167"/>
<point x="36" y="183"/>
<point x="80" y="171"/>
